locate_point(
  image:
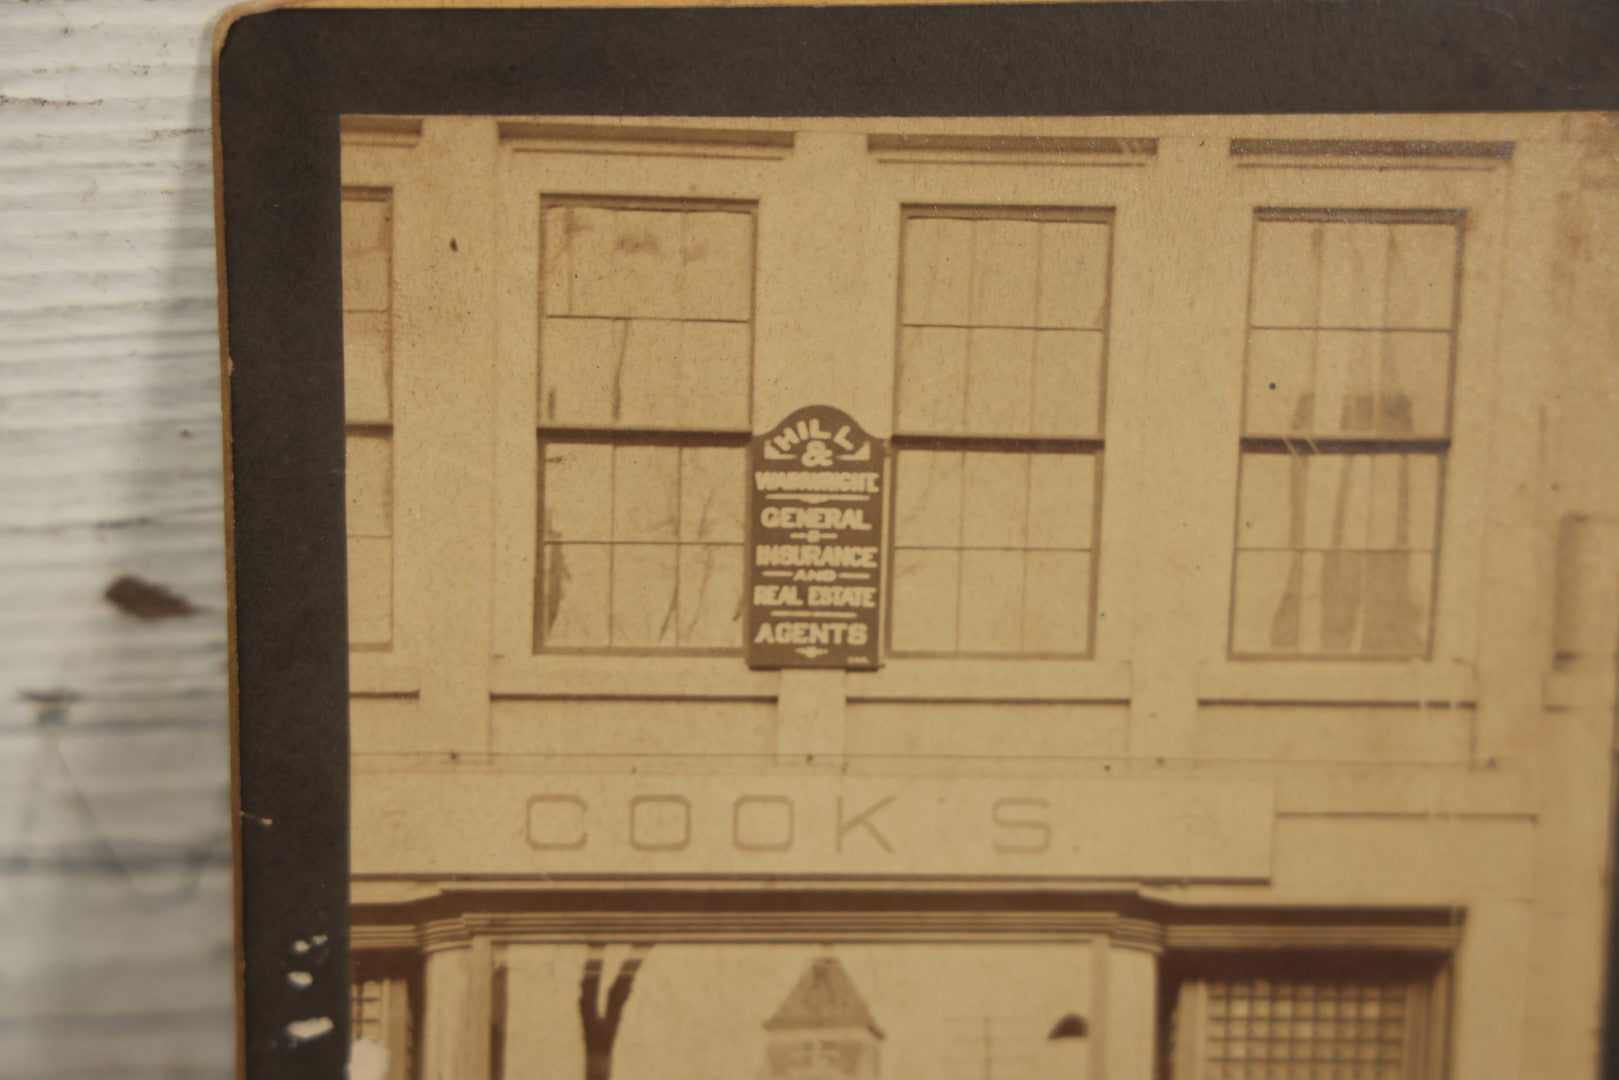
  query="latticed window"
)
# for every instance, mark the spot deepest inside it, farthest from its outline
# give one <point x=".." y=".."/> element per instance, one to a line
<point x="384" y="1000"/>
<point x="368" y="411"/>
<point x="1297" y="1025"/>
<point x="367" y="1019"/>
<point x="646" y="349"/>
<point x="998" y="431"/>
<point x="1346" y="426"/>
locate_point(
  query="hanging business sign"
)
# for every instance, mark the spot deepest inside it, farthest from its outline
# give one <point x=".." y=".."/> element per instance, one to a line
<point x="815" y="546"/>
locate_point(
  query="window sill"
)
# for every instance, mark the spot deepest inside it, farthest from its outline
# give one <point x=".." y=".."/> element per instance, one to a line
<point x="1037" y="681"/>
<point x="688" y="677"/>
<point x="1305" y="680"/>
<point x="728" y="678"/>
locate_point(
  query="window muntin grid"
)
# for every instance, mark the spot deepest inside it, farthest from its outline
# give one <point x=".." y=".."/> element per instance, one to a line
<point x="998" y="418"/>
<point x="1346" y="426"/>
<point x="1263" y="1029"/>
<point x="647" y="319"/>
<point x="993" y="551"/>
<point x="644" y="413"/>
<point x="641" y="545"/>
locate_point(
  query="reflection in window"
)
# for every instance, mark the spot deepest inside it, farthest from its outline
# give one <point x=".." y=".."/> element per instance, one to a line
<point x="1346" y="425"/>
<point x="997" y="434"/>
<point x="645" y="379"/>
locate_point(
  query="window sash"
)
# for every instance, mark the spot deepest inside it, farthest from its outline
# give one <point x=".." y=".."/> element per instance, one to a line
<point x="629" y="555"/>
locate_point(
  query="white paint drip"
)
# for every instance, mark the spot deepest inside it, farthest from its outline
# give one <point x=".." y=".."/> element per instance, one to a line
<point x="303" y="980"/>
<point x="302" y="948"/>
<point x="303" y="1031"/>
<point x="368" y="1060"/>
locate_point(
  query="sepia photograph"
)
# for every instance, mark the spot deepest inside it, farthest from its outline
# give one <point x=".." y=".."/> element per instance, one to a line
<point x="1094" y="598"/>
<point x="1005" y="542"/>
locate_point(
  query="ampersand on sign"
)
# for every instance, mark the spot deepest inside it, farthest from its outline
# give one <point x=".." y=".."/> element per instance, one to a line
<point x="816" y="455"/>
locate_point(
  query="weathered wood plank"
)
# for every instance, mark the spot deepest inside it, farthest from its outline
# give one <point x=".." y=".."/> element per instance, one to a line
<point x="115" y="912"/>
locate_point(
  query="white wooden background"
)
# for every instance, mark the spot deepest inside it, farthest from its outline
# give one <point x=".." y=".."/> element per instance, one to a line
<point x="115" y="910"/>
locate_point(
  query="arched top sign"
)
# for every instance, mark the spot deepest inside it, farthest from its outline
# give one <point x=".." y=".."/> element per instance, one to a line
<point x="816" y="493"/>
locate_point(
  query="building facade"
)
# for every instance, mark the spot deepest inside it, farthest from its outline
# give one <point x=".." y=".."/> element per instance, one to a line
<point x="1244" y="635"/>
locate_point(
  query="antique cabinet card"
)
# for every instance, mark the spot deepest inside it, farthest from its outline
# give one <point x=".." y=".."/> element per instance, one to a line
<point x="971" y="543"/>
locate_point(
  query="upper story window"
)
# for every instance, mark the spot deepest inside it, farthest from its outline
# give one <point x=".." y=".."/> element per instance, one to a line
<point x="367" y="225"/>
<point x="646" y="358"/>
<point x="1346" y="427"/>
<point x="998" y="431"/>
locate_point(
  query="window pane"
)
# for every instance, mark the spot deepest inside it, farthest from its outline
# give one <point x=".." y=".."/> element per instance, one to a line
<point x="1346" y="384"/>
<point x="646" y="492"/>
<point x="1000" y="382"/>
<point x="925" y="594"/>
<point x="578" y="244"/>
<point x="995" y="506"/>
<point x="712" y="376"/>
<point x="711" y="493"/>
<point x="1057" y="602"/>
<point x="1006" y="273"/>
<point x="684" y="375"/>
<point x="1073" y="274"/>
<point x="367" y="251"/>
<point x="1268" y="606"/>
<point x="1280" y="397"/>
<point x="1414" y="385"/>
<point x="367" y="362"/>
<point x="716" y="265"/>
<point x="370" y="590"/>
<point x="937" y="271"/>
<point x="1067" y="396"/>
<point x="1354" y="274"/>
<point x="646" y="263"/>
<point x="1422" y="275"/>
<point x="1287" y="273"/>
<point x="927" y="498"/>
<point x="580" y="372"/>
<point x="644" y="614"/>
<point x="1062" y="500"/>
<point x="932" y="379"/>
<point x="1405" y="501"/>
<point x="1398" y="594"/>
<point x="992" y="584"/>
<point x="1337" y="500"/>
<point x="574" y="595"/>
<point x="710" y="596"/>
<point x="578" y="484"/>
<point x="369" y="483"/>
<point x="1272" y="486"/>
